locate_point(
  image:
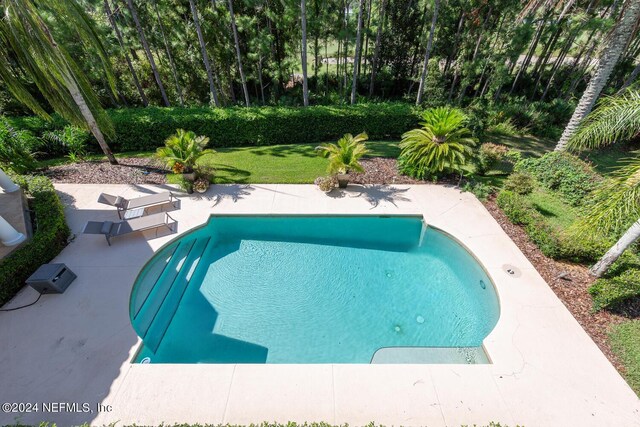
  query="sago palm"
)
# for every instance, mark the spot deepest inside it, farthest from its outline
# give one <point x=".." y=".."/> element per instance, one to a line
<point x="346" y="154"/>
<point x="442" y="144"/>
<point x="28" y="46"/>
<point x="617" y="201"/>
<point x="182" y="150"/>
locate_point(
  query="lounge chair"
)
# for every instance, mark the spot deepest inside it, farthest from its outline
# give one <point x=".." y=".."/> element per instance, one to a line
<point x="133" y="208"/>
<point x="114" y="229"/>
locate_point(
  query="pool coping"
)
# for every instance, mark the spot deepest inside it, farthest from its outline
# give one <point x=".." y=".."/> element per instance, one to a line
<point x="77" y="346"/>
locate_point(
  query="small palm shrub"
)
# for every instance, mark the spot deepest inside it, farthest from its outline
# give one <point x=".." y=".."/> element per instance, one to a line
<point x="442" y="145"/>
<point x="182" y="150"/>
<point x="345" y="156"/>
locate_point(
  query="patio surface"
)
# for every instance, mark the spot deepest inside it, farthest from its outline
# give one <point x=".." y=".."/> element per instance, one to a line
<point x="77" y="347"/>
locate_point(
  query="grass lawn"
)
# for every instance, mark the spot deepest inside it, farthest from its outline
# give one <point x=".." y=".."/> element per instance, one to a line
<point x="553" y="208"/>
<point x="625" y="341"/>
<point x="284" y="164"/>
<point x="607" y="160"/>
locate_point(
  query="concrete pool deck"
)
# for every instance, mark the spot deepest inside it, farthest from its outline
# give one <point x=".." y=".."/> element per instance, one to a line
<point x="77" y="347"/>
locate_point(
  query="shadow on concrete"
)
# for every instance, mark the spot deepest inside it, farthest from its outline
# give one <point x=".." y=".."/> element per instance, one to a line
<point x="373" y="194"/>
<point x="71" y="347"/>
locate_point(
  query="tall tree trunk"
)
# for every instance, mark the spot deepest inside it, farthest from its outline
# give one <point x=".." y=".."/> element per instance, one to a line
<point x="627" y="239"/>
<point x="530" y="53"/>
<point x="356" y="59"/>
<point x="145" y="45"/>
<point x="346" y="45"/>
<point x="363" y="70"/>
<point x="607" y="62"/>
<point x="169" y="56"/>
<point x="454" y="52"/>
<point x="76" y="94"/>
<point x="376" y="53"/>
<point x="305" y="83"/>
<point x="205" y="56"/>
<point x="427" y="53"/>
<point x="632" y="77"/>
<point x="238" y="55"/>
<point x="134" y="75"/>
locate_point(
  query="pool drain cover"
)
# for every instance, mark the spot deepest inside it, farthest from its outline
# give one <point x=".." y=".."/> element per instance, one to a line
<point x="512" y="270"/>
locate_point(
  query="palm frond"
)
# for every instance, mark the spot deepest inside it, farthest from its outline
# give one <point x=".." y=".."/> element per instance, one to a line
<point x="616" y="118"/>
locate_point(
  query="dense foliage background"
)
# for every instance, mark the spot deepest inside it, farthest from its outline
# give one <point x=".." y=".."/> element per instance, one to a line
<point x="490" y="50"/>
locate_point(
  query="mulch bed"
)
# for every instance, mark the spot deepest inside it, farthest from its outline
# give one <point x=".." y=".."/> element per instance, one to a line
<point x="380" y="170"/>
<point x="572" y="290"/>
<point x="131" y="170"/>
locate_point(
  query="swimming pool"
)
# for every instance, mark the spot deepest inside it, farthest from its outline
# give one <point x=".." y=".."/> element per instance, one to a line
<point x="312" y="289"/>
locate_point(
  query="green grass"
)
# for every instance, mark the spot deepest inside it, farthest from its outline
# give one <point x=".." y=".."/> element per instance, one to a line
<point x="608" y="160"/>
<point x="529" y="145"/>
<point x="553" y="208"/>
<point x="625" y="342"/>
<point x="283" y="164"/>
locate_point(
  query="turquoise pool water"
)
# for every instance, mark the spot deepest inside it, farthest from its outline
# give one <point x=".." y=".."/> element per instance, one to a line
<point x="309" y="289"/>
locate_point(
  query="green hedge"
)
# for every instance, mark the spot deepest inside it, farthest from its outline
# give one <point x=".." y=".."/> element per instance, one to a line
<point x="147" y="128"/>
<point x="49" y="237"/>
<point x="610" y="292"/>
<point x="570" y="176"/>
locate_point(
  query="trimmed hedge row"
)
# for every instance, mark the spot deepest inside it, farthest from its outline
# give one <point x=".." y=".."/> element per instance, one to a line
<point x="147" y="128"/>
<point x="611" y="292"/>
<point x="49" y="238"/>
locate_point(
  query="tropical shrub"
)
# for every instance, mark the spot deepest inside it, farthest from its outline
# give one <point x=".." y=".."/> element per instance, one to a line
<point x="70" y="140"/>
<point x="489" y="155"/>
<point x="17" y="148"/>
<point x="565" y="173"/>
<point x="479" y="189"/>
<point x="520" y="183"/>
<point x="344" y="156"/>
<point x="182" y="150"/>
<point x="143" y="129"/>
<point x="611" y="292"/>
<point x="443" y="144"/>
<point x="551" y="241"/>
<point x="49" y="236"/>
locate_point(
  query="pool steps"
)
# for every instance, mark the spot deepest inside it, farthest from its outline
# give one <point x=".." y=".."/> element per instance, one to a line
<point x="164" y="315"/>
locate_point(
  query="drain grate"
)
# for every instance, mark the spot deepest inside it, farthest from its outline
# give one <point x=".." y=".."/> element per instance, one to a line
<point x="512" y="270"/>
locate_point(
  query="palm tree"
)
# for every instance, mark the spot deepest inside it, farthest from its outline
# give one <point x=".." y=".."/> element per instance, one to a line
<point x="205" y="56"/>
<point x="425" y="66"/>
<point x="116" y="30"/>
<point x="26" y="39"/>
<point x="182" y="150"/>
<point x="356" y="59"/>
<point x="608" y="60"/>
<point x="442" y="144"/>
<point x="346" y="154"/>
<point x="303" y="54"/>
<point x="618" y="199"/>
<point x="147" y="50"/>
<point x="237" y="43"/>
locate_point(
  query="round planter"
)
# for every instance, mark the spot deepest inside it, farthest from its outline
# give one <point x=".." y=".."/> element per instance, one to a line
<point x="201" y="190"/>
<point x="343" y="180"/>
